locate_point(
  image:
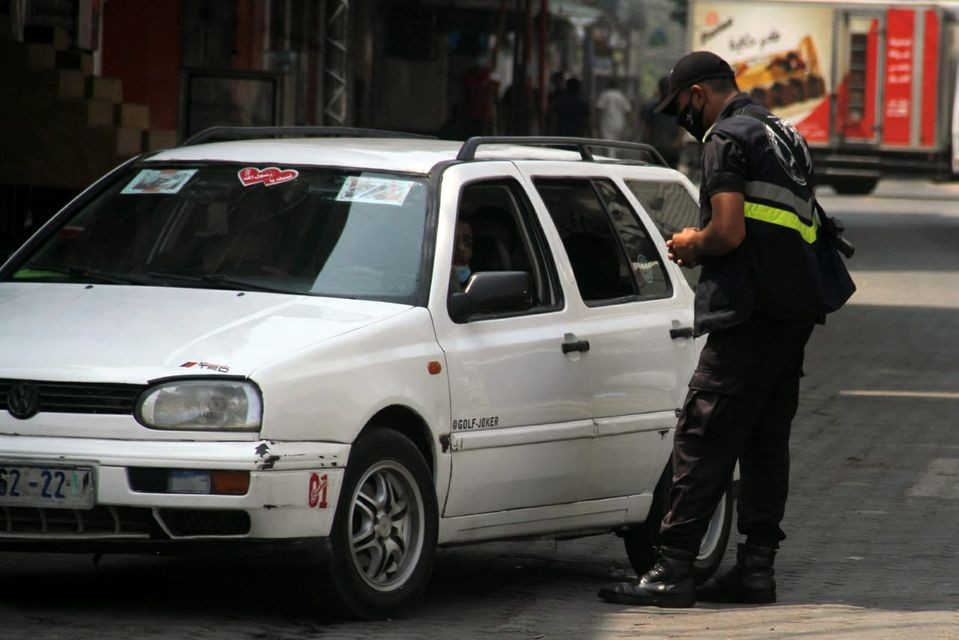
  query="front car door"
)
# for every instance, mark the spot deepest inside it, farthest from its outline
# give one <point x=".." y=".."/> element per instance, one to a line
<point x="521" y="417"/>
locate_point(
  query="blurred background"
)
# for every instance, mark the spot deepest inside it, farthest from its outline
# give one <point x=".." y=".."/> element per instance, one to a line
<point x="90" y="83"/>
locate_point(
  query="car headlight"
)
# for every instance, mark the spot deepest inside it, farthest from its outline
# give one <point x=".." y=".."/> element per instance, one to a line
<point x="201" y="405"/>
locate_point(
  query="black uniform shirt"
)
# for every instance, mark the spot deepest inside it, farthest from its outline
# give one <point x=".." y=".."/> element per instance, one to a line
<point x="772" y="272"/>
<point x="728" y="301"/>
<point x="724" y="164"/>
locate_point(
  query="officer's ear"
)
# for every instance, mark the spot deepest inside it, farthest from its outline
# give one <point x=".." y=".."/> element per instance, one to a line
<point x="697" y="97"/>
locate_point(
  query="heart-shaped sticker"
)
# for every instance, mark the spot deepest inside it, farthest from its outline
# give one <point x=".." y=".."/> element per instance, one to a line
<point x="270" y="176"/>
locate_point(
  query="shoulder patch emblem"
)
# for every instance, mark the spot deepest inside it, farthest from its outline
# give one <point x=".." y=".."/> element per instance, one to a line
<point x="787" y="160"/>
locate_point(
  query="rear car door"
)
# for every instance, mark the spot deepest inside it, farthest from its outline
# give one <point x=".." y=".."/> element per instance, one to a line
<point x="637" y="318"/>
<point x="670" y="203"/>
<point x="669" y="200"/>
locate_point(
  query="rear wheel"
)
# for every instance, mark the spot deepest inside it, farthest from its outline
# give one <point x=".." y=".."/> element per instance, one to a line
<point x="641" y="542"/>
<point x="384" y="532"/>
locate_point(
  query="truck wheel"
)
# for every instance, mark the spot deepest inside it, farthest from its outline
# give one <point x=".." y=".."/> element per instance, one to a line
<point x="854" y="186"/>
<point x="641" y="542"/>
<point x="384" y="532"/>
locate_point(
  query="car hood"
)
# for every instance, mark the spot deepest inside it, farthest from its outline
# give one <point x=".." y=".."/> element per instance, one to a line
<point x="132" y="334"/>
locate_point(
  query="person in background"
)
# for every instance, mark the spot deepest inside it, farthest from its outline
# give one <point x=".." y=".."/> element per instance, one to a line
<point x="570" y="115"/>
<point x="660" y="129"/>
<point x="477" y="100"/>
<point x="557" y="82"/>
<point x="612" y="113"/>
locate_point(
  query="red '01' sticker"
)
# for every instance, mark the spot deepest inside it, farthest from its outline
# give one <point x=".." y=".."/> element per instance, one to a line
<point x="317" y="493"/>
<point x="270" y="176"/>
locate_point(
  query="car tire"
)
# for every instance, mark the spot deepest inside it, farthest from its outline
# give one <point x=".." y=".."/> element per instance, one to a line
<point x="383" y="539"/>
<point x="641" y="541"/>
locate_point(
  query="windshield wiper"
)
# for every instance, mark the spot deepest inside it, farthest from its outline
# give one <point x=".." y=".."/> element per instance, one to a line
<point x="219" y="280"/>
<point x="87" y="273"/>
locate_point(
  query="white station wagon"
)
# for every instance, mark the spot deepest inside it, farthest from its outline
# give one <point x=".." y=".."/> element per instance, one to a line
<point x="360" y="346"/>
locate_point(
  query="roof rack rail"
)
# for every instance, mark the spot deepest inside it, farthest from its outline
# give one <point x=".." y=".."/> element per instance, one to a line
<point x="240" y="133"/>
<point x="468" y="150"/>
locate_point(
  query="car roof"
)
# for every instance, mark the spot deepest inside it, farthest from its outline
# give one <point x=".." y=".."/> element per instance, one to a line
<point x="410" y="155"/>
<point x="399" y="154"/>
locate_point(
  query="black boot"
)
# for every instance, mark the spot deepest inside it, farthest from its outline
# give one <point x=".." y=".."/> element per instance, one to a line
<point x="668" y="584"/>
<point x="750" y="581"/>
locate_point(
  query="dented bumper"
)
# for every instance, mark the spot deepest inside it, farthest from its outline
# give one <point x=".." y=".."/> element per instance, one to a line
<point x="292" y="493"/>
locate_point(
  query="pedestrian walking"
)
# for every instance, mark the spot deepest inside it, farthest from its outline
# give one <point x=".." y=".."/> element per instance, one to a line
<point x="760" y="292"/>
<point x="612" y="113"/>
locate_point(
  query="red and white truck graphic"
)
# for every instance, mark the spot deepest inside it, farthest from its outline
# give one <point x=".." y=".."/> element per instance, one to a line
<point x="873" y="86"/>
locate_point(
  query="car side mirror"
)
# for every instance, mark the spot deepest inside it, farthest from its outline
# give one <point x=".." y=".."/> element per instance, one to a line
<point x="492" y="292"/>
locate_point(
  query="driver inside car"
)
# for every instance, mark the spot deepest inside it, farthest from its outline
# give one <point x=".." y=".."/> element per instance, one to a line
<point x="462" y="254"/>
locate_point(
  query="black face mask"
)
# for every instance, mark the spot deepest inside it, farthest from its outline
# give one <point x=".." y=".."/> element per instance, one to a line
<point x="692" y="121"/>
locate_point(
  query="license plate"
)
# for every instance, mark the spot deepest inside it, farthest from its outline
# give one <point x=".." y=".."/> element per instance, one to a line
<point x="42" y="485"/>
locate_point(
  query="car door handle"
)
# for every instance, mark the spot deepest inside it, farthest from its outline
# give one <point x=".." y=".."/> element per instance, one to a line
<point x="578" y="345"/>
<point x="681" y="332"/>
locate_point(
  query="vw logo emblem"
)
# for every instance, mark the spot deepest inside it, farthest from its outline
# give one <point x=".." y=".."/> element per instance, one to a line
<point x="23" y="400"/>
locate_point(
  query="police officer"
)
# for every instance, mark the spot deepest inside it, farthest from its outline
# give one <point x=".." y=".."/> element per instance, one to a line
<point x="758" y="299"/>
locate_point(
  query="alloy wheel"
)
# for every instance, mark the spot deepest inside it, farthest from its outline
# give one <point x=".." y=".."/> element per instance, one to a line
<point x="386" y="535"/>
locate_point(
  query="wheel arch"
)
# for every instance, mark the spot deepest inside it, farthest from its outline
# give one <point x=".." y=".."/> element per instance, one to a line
<point x="410" y="424"/>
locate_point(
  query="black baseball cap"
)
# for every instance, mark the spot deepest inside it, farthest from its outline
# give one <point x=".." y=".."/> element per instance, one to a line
<point x="692" y="68"/>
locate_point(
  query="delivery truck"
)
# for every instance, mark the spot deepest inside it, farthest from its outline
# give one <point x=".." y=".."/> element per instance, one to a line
<point x="873" y="86"/>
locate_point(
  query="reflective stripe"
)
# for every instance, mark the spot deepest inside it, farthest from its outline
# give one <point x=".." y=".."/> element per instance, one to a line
<point x="708" y="131"/>
<point x="781" y="217"/>
<point x="770" y="191"/>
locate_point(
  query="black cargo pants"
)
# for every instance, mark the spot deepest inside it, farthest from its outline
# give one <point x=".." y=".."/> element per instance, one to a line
<point x="741" y="402"/>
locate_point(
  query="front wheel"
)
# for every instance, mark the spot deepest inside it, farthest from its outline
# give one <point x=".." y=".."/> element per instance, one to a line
<point x="641" y="541"/>
<point x="384" y="533"/>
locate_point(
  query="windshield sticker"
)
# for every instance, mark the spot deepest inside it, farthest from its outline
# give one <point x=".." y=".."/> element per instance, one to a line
<point x="162" y="181"/>
<point x="374" y="190"/>
<point x="269" y="176"/>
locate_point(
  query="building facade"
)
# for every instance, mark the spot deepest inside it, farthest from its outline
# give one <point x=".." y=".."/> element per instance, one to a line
<point x="91" y="83"/>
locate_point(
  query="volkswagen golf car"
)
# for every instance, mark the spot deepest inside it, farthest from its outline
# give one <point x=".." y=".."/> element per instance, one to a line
<point x="359" y="347"/>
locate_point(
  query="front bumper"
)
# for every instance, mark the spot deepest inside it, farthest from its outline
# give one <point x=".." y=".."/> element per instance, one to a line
<point x="276" y="507"/>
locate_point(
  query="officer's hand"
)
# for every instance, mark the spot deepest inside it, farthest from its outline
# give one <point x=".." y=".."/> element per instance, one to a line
<point x="682" y="249"/>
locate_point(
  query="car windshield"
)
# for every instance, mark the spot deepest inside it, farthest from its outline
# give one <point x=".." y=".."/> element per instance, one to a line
<point x="312" y="231"/>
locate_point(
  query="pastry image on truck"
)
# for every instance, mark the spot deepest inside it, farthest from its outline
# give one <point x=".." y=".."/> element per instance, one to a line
<point x="872" y="85"/>
<point x="782" y="79"/>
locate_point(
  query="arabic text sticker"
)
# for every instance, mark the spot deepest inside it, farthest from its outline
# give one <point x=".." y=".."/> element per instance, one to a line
<point x="270" y="176"/>
<point x="161" y="181"/>
<point x="374" y="190"/>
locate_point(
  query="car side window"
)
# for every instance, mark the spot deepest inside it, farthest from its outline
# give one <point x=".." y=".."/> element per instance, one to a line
<point x="497" y="230"/>
<point x="613" y="259"/>
<point x="672" y="210"/>
<point x="644" y="259"/>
